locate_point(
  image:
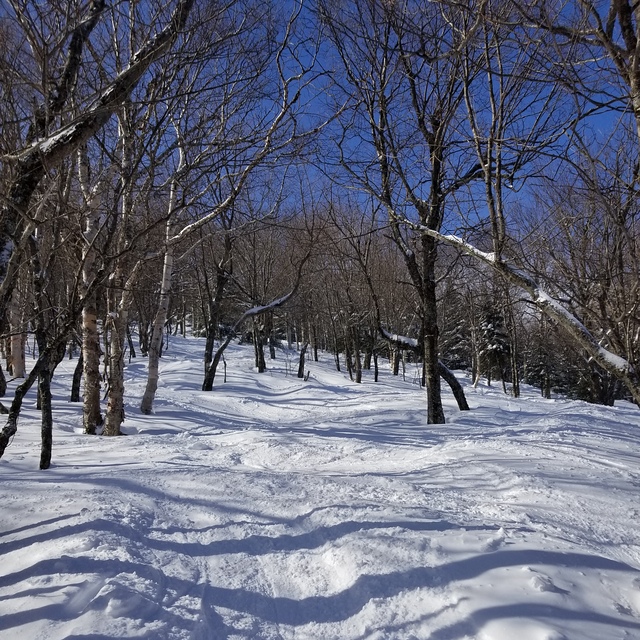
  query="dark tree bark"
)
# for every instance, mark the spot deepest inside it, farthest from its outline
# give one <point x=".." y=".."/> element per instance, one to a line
<point x="46" y="431"/>
<point x="458" y="392"/>
<point x="132" y="349"/>
<point x="11" y="427"/>
<point x="77" y="380"/>
<point x="435" y="410"/>
<point x="357" y="356"/>
<point x="258" y="347"/>
<point x="301" y="362"/>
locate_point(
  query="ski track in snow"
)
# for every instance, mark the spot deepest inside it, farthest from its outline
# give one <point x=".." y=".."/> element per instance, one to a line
<point x="273" y="508"/>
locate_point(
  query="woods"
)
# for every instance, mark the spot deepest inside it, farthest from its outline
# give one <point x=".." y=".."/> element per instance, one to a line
<point x="451" y="185"/>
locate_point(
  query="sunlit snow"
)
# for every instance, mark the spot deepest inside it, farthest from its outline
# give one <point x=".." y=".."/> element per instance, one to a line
<point x="278" y="508"/>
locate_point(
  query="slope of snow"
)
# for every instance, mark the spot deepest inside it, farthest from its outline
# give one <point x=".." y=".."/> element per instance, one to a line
<point x="277" y="508"/>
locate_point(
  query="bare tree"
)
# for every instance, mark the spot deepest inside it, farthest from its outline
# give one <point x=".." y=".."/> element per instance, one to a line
<point x="587" y="46"/>
<point x="52" y="137"/>
<point x="403" y="64"/>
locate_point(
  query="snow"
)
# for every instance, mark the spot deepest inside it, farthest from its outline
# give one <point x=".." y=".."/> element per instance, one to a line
<point x="277" y="508"/>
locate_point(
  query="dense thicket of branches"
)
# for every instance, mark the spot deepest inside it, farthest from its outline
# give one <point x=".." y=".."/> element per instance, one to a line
<point x="444" y="185"/>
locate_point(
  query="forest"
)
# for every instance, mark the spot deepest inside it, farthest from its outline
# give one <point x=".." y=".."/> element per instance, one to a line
<point x="447" y="183"/>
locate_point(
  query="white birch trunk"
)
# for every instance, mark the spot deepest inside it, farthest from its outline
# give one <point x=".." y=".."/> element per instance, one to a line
<point x="115" y="396"/>
<point x="16" y="357"/>
<point x="155" y="345"/>
<point x="91" y="414"/>
<point x="120" y="301"/>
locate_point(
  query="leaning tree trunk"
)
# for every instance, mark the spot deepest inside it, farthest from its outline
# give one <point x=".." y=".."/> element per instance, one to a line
<point x="11" y="427"/>
<point x="458" y="392"/>
<point x="579" y="335"/>
<point x="210" y="373"/>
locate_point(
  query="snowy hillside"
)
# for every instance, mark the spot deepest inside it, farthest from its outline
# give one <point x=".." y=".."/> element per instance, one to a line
<point x="277" y="508"/>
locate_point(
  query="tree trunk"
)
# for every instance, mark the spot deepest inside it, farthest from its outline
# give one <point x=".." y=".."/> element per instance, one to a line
<point x="119" y="302"/>
<point x="258" y="346"/>
<point x="213" y="304"/>
<point x="115" y="378"/>
<point x="209" y="344"/>
<point x="301" y="362"/>
<point x="314" y="341"/>
<point x="11" y="427"/>
<point x="132" y="349"/>
<point x="3" y="383"/>
<point x="17" y="356"/>
<point x="269" y="331"/>
<point x="357" y="356"/>
<point x="435" y="411"/>
<point x="143" y="338"/>
<point x="91" y="415"/>
<point x="210" y="374"/>
<point x="458" y="392"/>
<point x="155" y="345"/>
<point x="76" y="382"/>
<point x="347" y="356"/>
<point x="46" y="431"/>
<point x="395" y="360"/>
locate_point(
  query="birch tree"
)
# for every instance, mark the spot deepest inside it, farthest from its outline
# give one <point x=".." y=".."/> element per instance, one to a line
<point x="47" y="145"/>
<point x="270" y="97"/>
<point x="50" y="138"/>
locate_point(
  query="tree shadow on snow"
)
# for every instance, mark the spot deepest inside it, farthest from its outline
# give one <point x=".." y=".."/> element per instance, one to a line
<point x="349" y="602"/>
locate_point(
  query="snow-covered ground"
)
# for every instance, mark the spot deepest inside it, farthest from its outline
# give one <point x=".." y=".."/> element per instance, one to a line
<point x="278" y="508"/>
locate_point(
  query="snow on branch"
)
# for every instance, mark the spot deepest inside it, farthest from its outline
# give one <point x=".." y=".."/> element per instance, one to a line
<point x="259" y="310"/>
<point x="68" y="138"/>
<point x="616" y="365"/>
<point x="403" y="341"/>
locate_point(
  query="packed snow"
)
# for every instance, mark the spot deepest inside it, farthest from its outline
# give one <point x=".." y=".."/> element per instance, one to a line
<point x="278" y="508"/>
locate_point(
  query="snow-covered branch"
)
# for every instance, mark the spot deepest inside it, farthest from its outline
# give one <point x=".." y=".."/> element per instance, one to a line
<point x="402" y="341"/>
<point x="616" y="365"/>
<point x="43" y="154"/>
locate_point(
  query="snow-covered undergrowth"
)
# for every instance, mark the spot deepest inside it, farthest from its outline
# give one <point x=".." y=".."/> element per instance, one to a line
<point x="278" y="508"/>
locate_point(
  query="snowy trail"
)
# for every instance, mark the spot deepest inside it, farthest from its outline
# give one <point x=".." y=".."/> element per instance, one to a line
<point x="277" y="509"/>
